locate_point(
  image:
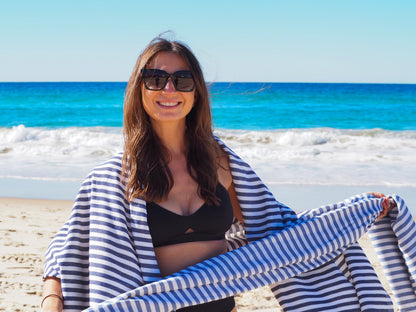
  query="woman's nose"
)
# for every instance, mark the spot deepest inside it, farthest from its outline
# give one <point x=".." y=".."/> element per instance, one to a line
<point x="169" y="86"/>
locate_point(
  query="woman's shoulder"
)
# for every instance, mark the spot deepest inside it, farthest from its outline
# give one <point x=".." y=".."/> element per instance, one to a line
<point x="231" y="156"/>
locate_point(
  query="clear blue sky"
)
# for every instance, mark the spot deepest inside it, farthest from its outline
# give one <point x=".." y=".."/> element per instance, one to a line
<point x="282" y="41"/>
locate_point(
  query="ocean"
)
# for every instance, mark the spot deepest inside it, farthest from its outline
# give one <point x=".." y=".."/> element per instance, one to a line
<point x="316" y="134"/>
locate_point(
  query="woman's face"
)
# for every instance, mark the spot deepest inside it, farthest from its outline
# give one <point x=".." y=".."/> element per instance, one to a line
<point x="167" y="105"/>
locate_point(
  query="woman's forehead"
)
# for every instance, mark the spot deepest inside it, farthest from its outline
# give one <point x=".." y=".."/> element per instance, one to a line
<point x="169" y="62"/>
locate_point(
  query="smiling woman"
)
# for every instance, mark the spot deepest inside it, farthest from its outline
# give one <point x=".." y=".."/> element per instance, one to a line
<point x="173" y="162"/>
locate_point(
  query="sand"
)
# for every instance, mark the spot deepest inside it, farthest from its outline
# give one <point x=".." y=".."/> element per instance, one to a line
<point x="28" y="225"/>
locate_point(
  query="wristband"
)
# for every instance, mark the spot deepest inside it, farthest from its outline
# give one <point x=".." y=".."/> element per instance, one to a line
<point x="52" y="295"/>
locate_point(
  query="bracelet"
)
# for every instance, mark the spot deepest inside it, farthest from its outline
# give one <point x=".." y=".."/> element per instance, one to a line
<point x="52" y="295"/>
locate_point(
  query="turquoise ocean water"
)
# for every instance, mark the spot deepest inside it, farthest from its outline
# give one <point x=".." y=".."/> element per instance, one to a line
<point x="246" y="106"/>
<point x="291" y="133"/>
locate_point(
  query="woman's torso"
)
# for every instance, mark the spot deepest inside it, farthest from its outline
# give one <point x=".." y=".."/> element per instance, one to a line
<point x="183" y="201"/>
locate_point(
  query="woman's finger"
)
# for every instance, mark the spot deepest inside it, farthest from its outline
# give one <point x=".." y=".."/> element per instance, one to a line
<point x="376" y="194"/>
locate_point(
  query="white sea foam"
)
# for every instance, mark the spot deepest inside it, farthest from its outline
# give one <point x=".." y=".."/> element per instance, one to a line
<point x="309" y="156"/>
<point x="323" y="144"/>
<point x="328" y="156"/>
<point x="60" y="154"/>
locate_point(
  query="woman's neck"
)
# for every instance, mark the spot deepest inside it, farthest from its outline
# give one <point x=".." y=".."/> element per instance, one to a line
<point x="172" y="136"/>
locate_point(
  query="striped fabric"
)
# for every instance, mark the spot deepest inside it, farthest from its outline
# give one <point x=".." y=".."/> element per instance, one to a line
<point x="105" y="257"/>
<point x="395" y="242"/>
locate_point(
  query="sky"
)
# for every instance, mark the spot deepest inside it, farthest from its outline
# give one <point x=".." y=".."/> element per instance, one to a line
<point x="266" y="41"/>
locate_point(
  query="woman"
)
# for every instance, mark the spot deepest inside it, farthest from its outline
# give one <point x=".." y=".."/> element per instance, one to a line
<point x="172" y="161"/>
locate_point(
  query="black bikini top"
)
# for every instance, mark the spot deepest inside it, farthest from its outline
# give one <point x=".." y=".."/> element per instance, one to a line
<point x="209" y="222"/>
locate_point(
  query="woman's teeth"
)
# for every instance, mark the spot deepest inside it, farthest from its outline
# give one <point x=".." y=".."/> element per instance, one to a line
<point x="168" y="103"/>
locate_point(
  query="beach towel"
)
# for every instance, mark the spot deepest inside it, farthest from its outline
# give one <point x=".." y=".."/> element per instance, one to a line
<point x="105" y="257"/>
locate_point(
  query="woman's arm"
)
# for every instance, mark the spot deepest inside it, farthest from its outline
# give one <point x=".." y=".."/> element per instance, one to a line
<point x="225" y="177"/>
<point x="234" y="202"/>
<point x="52" y="295"/>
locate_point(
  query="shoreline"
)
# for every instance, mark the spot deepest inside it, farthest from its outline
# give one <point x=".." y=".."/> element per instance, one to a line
<point x="26" y="229"/>
<point x="299" y="197"/>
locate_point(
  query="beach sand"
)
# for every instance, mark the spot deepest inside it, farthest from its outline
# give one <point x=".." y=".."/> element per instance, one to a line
<point x="28" y="225"/>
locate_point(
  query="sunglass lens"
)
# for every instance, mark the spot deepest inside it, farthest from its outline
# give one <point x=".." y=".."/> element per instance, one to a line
<point x="184" y="81"/>
<point x="156" y="82"/>
<point x="155" y="79"/>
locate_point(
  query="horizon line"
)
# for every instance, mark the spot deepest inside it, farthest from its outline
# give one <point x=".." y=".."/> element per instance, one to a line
<point x="212" y="82"/>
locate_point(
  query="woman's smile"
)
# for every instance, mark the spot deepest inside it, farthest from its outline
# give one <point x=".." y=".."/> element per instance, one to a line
<point x="168" y="103"/>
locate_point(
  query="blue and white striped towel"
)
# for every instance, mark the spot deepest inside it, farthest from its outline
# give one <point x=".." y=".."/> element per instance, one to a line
<point x="394" y="239"/>
<point x="105" y="257"/>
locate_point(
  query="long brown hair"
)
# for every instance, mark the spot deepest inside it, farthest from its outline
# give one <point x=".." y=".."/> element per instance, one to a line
<point x="145" y="159"/>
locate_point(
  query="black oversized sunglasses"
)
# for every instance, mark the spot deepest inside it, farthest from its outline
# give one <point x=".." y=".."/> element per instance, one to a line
<point x="156" y="80"/>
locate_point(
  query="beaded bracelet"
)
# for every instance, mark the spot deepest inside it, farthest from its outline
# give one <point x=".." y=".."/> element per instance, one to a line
<point x="52" y="295"/>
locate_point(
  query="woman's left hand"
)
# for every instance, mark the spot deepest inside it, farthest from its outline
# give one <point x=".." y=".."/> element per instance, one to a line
<point x="387" y="204"/>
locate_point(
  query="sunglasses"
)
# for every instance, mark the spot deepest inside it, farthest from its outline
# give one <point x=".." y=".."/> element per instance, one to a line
<point x="156" y="80"/>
